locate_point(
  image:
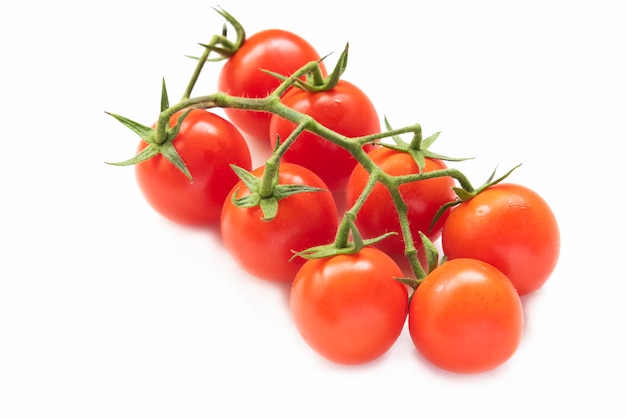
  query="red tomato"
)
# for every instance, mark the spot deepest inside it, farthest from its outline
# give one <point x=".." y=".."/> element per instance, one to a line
<point x="208" y="144"/>
<point x="349" y="308"/>
<point x="466" y="317"/>
<point x="304" y="220"/>
<point x="509" y="226"/>
<point x="345" y="109"/>
<point x="423" y="199"/>
<point x="274" y="50"/>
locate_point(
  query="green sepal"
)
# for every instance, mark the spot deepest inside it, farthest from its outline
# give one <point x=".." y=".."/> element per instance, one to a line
<point x="491" y="182"/>
<point x="269" y="208"/>
<point x="282" y="191"/>
<point x="172" y="133"/>
<point x="426" y="143"/>
<point x="250" y="180"/>
<point x="168" y="151"/>
<point x="252" y="183"/>
<point x="148" y="152"/>
<point x="165" y="101"/>
<point x="249" y="201"/>
<point x="441" y="211"/>
<point x="222" y="52"/>
<point x="146" y="133"/>
<point x="432" y="255"/>
<point x="463" y="194"/>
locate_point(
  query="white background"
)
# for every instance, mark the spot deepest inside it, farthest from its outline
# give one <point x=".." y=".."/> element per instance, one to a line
<point x="108" y="310"/>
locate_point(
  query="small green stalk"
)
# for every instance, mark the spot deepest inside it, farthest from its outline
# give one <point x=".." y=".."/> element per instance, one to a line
<point x="272" y="164"/>
<point x="345" y="227"/>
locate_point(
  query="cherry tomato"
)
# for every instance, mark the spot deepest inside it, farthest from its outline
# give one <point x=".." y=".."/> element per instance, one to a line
<point x="345" y="109"/>
<point x="509" y="226"/>
<point x="304" y="220"/>
<point x="274" y="50"/>
<point x="423" y="199"/>
<point x="208" y="144"/>
<point x="466" y="317"/>
<point x="349" y="308"/>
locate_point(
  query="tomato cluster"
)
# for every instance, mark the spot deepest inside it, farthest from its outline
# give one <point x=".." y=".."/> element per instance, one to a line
<point x="349" y="297"/>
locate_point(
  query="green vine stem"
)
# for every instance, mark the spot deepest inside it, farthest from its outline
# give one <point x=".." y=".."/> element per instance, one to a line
<point x="163" y="136"/>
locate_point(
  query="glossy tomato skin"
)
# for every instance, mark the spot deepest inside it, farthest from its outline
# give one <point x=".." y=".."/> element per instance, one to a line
<point x="304" y="220"/>
<point x="509" y="226"/>
<point x="208" y="144"/>
<point x="423" y="198"/>
<point x="349" y="308"/>
<point x="275" y="50"/>
<point x="345" y="109"/>
<point x="466" y="317"/>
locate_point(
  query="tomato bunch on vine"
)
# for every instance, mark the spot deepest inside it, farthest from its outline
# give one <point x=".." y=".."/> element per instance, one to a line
<point x="349" y="297"/>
